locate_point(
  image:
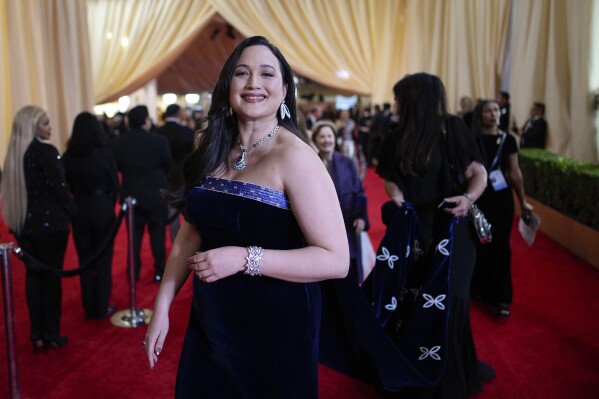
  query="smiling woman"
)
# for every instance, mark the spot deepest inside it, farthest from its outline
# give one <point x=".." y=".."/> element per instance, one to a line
<point x="256" y="87"/>
<point x="258" y="236"/>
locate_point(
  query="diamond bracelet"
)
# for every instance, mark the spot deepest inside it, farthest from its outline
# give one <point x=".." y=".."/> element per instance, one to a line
<point x="254" y="261"/>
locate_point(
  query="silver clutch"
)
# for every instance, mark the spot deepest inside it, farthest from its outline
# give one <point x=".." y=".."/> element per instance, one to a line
<point x="481" y="225"/>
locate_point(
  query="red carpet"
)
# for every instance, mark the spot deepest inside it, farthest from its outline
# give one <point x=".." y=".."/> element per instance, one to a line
<point x="548" y="349"/>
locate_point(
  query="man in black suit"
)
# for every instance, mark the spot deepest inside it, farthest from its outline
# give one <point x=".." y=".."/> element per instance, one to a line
<point x="534" y="132"/>
<point x="144" y="160"/>
<point x="180" y="139"/>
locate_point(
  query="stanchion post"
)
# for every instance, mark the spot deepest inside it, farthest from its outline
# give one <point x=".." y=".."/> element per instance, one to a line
<point x="131" y="258"/>
<point x="132" y="317"/>
<point x="9" y="318"/>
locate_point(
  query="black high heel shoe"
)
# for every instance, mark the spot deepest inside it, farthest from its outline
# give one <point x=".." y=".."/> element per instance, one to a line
<point x="56" y="342"/>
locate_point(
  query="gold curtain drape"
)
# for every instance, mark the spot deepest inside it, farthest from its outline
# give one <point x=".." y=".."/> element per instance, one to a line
<point x="46" y="64"/>
<point x="309" y="31"/>
<point x="6" y="112"/>
<point x="362" y="46"/>
<point x="461" y="41"/>
<point x="379" y="41"/>
<point x="551" y="63"/>
<point x="156" y="32"/>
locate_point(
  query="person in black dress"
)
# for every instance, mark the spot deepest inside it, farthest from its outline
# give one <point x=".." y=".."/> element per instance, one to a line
<point x="492" y="280"/>
<point x="427" y="158"/>
<point x="36" y="206"/>
<point x="92" y="174"/>
<point x="262" y="226"/>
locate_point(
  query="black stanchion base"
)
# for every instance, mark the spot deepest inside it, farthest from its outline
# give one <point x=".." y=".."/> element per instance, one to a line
<point x="129" y="319"/>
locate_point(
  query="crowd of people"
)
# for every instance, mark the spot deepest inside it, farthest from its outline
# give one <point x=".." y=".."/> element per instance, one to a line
<point x="260" y="209"/>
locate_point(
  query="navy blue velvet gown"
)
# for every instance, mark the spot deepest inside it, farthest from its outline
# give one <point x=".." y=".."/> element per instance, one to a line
<point x="248" y="337"/>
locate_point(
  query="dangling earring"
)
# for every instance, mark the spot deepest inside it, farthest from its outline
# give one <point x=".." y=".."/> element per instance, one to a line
<point x="284" y="111"/>
<point x="230" y="112"/>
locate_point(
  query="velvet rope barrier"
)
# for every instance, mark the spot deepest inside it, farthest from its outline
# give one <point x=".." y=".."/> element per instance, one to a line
<point x="35" y="265"/>
<point x="9" y="318"/>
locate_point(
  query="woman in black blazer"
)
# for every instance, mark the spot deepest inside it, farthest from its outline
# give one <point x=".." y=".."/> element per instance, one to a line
<point x="92" y="174"/>
<point x="37" y="206"/>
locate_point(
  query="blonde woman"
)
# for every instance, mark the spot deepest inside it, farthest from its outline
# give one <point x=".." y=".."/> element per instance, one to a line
<point x="36" y="205"/>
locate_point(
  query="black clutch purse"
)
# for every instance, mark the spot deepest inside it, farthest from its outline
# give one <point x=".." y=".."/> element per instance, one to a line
<point x="481" y="225"/>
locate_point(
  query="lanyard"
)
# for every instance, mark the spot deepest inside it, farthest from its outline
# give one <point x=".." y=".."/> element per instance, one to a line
<point x="498" y="154"/>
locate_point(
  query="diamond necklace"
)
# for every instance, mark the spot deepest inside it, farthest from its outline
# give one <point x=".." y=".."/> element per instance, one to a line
<point x="240" y="162"/>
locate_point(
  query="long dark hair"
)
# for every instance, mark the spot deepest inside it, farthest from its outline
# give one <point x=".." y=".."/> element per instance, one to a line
<point x="86" y="135"/>
<point x="422" y="111"/>
<point x="220" y="133"/>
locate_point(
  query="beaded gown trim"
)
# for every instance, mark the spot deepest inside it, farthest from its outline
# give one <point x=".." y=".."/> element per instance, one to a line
<point x="246" y="190"/>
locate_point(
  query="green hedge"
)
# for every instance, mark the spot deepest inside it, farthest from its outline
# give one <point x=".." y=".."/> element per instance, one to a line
<point x="571" y="187"/>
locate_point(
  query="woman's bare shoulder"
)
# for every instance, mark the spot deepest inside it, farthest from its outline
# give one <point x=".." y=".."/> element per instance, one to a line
<point x="298" y="163"/>
<point x="291" y="147"/>
<point x="290" y="144"/>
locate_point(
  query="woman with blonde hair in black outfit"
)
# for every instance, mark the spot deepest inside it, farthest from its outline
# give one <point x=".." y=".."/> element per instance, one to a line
<point x="36" y="207"/>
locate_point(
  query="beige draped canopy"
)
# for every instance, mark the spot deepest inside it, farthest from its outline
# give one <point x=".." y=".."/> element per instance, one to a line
<point x="67" y="56"/>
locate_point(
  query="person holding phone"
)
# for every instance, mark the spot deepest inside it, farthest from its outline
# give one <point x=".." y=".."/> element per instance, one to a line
<point x="431" y="160"/>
